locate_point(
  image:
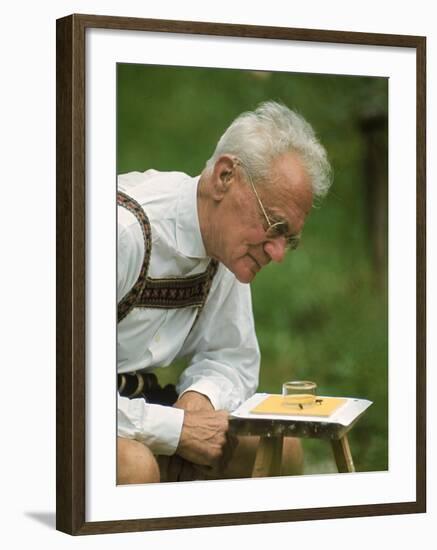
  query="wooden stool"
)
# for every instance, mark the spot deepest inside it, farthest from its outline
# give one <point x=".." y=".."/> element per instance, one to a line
<point x="268" y="459"/>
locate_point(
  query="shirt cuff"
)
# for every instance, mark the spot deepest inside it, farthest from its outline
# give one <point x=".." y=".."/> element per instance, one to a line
<point x="157" y="426"/>
<point x="211" y="390"/>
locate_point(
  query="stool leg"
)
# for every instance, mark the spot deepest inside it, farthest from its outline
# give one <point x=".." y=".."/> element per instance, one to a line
<point x="342" y="454"/>
<point x="268" y="457"/>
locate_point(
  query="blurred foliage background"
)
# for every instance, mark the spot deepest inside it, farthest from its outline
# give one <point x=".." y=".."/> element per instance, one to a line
<point x="322" y="314"/>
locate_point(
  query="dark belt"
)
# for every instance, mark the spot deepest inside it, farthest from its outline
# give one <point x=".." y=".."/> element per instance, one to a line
<point x="146" y="385"/>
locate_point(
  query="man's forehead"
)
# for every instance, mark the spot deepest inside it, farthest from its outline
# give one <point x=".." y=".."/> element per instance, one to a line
<point x="290" y="179"/>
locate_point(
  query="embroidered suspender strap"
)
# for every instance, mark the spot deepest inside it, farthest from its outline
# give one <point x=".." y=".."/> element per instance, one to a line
<point x="165" y="293"/>
<point x="129" y="300"/>
<point x="174" y="293"/>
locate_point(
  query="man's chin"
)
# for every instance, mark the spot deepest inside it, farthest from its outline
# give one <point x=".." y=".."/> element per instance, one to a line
<point x="243" y="272"/>
<point x="245" y="276"/>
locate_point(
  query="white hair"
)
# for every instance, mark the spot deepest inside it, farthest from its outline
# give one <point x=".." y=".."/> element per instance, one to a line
<point x="258" y="137"/>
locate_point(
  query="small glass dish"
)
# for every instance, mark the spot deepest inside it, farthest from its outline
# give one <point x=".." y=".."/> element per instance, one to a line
<point x="299" y="394"/>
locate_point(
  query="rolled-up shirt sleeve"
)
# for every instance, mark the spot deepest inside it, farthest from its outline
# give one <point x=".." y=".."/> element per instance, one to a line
<point x="156" y="426"/>
<point x="224" y="351"/>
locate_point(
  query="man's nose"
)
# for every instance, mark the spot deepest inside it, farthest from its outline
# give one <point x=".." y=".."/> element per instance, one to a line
<point x="276" y="249"/>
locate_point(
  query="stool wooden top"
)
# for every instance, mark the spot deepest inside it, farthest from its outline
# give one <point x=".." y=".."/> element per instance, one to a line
<point x="289" y="428"/>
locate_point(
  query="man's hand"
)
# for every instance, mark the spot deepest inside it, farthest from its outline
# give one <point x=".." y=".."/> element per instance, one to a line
<point x="194" y="401"/>
<point x="203" y="439"/>
<point x="204" y="447"/>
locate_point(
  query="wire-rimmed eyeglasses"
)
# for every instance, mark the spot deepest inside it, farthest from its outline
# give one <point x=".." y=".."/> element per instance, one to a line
<point x="274" y="229"/>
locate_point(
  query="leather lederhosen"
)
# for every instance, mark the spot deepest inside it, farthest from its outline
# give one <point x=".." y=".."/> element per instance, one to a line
<point x="166" y="293"/>
<point x="146" y="385"/>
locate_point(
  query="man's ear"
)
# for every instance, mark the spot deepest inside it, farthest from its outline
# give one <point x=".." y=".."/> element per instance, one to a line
<point x="222" y="176"/>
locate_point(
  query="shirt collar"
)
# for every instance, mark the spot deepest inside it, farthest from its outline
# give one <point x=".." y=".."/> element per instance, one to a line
<point x="188" y="237"/>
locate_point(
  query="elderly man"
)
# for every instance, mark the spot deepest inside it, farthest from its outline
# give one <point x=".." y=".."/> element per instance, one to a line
<point x="187" y="249"/>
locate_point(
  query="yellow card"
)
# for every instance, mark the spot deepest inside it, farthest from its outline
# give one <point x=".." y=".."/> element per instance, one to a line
<point x="274" y="404"/>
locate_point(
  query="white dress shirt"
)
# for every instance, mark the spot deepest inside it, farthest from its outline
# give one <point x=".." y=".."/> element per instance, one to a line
<point x="221" y="343"/>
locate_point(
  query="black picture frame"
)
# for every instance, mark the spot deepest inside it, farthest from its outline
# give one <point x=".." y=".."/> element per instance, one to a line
<point x="71" y="262"/>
